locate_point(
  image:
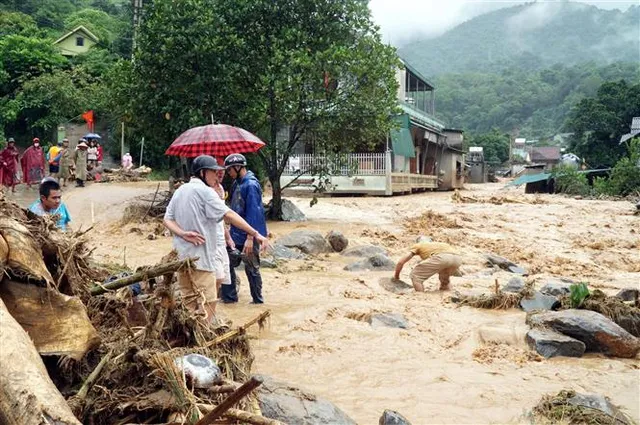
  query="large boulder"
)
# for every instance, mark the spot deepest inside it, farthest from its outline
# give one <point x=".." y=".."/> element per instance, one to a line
<point x="550" y="343"/>
<point x="307" y="241"/>
<point x="290" y="212"/>
<point x="337" y="240"/>
<point x="292" y="405"/>
<point x="598" y="333"/>
<point x="364" y="251"/>
<point x="376" y="262"/>
<point x="391" y="417"/>
<point x="396" y="286"/>
<point x="539" y="301"/>
<point x="389" y="320"/>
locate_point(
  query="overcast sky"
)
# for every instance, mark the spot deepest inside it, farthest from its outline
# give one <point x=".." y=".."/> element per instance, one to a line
<point x="403" y="20"/>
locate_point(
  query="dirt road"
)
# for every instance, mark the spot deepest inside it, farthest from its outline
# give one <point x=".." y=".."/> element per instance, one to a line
<point x="454" y="364"/>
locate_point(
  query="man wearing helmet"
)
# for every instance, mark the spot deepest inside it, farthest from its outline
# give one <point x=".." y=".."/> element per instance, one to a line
<point x="246" y="200"/>
<point x="192" y="217"/>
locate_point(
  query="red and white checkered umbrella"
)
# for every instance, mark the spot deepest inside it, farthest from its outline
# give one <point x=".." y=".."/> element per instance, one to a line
<point x="217" y="140"/>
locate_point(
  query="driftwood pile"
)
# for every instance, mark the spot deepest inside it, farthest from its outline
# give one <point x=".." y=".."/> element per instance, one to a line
<point x="123" y="175"/>
<point x="76" y="350"/>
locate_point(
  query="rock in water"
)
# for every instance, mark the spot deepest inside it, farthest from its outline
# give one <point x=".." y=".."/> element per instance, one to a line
<point x="550" y="343"/>
<point x="396" y="286"/>
<point x="515" y="285"/>
<point x="389" y="320"/>
<point x="307" y="241"/>
<point x="290" y="212"/>
<point x="539" y="301"/>
<point x="337" y="240"/>
<point x="376" y="262"/>
<point x="628" y="294"/>
<point x="505" y="264"/>
<point x="291" y="405"/>
<point x="598" y="333"/>
<point x="391" y="417"/>
<point x="364" y="251"/>
<point x="281" y="252"/>
<point x="556" y="288"/>
<point x="598" y="402"/>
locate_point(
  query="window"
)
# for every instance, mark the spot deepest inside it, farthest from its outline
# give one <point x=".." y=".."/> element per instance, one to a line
<point x="79" y="41"/>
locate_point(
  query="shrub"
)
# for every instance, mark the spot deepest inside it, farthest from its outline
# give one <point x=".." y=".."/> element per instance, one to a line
<point x="625" y="175"/>
<point x="570" y="181"/>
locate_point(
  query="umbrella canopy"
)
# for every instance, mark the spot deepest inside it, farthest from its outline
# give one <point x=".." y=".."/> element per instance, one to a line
<point x="218" y="140"/>
<point x="92" y="136"/>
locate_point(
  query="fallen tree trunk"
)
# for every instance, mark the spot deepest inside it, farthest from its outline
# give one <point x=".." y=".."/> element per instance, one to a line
<point x="58" y="324"/>
<point x="146" y="274"/>
<point x="253" y="383"/>
<point x="27" y="394"/>
<point x="242" y="416"/>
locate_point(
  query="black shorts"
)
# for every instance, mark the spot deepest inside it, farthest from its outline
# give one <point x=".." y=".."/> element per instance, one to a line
<point x="54" y="168"/>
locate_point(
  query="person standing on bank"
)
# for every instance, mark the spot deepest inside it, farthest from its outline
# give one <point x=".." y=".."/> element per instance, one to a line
<point x="9" y="165"/>
<point x="80" y="162"/>
<point x="66" y="162"/>
<point x="246" y="200"/>
<point x="192" y="216"/>
<point x="32" y="162"/>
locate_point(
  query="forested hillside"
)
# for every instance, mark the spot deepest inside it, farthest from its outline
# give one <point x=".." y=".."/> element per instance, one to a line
<point x="529" y="37"/>
<point x="533" y="104"/>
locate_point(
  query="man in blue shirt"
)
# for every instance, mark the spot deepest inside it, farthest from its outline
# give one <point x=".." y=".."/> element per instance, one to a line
<point x="246" y="201"/>
<point x="50" y="203"/>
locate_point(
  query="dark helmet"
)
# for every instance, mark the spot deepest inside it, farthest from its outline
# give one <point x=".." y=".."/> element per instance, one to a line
<point x="235" y="159"/>
<point x="204" y="162"/>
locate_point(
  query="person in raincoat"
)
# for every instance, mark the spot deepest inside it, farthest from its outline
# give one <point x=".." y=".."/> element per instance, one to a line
<point x="32" y="162"/>
<point x="9" y="165"/>
<point x="80" y="163"/>
<point x="66" y="163"/>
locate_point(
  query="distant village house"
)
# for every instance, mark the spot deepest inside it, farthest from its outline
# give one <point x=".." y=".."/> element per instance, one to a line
<point x="76" y="41"/>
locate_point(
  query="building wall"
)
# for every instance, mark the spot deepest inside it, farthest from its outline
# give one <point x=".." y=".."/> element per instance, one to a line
<point x="401" y="75"/>
<point x="68" y="46"/>
<point x="452" y="167"/>
<point x="373" y="185"/>
<point x="477" y="172"/>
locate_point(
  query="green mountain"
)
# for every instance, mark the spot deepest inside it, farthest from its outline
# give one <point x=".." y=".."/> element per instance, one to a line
<point x="531" y="36"/>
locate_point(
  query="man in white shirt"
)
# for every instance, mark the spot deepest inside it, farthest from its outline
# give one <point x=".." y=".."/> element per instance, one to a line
<point x="193" y="216"/>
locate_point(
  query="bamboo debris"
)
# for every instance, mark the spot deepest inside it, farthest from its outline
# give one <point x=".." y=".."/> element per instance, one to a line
<point x="244" y="390"/>
<point x="146" y="274"/>
<point x="240" y="330"/>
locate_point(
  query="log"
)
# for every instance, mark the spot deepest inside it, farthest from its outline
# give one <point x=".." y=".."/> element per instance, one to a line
<point x="238" y="331"/>
<point x="77" y="402"/>
<point x="148" y="273"/>
<point x="27" y="394"/>
<point x="253" y="383"/>
<point x="243" y="416"/>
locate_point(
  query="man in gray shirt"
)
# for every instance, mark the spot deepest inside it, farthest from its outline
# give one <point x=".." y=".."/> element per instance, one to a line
<point x="192" y="216"/>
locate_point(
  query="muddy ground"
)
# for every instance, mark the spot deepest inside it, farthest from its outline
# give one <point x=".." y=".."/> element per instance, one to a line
<point x="454" y="364"/>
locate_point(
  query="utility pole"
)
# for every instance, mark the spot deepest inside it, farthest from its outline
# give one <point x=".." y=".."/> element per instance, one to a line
<point x="137" y="20"/>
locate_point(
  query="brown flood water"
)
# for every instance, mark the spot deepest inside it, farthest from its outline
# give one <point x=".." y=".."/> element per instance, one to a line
<point x="453" y="365"/>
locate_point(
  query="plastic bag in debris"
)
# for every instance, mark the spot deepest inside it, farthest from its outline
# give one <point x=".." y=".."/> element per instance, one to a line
<point x="201" y="371"/>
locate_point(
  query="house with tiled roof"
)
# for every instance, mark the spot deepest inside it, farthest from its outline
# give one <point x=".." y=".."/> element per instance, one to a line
<point x="547" y="155"/>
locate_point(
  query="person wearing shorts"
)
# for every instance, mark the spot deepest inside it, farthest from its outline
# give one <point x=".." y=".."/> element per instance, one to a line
<point x="193" y="215"/>
<point x="440" y="258"/>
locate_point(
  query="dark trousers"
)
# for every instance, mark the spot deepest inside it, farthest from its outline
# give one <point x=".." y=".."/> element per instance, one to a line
<point x="229" y="293"/>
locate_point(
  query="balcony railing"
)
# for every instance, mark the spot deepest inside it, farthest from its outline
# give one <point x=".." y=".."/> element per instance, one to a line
<point x="354" y="164"/>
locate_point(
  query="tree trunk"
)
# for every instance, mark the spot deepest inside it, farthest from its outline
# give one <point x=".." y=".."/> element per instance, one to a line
<point x="275" y="211"/>
<point x="27" y="394"/>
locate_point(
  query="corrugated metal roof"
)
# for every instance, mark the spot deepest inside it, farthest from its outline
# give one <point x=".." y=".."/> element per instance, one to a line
<point x="529" y="178"/>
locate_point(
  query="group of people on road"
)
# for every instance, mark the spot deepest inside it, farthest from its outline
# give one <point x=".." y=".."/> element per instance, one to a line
<point x="196" y="216"/>
<point x="62" y="163"/>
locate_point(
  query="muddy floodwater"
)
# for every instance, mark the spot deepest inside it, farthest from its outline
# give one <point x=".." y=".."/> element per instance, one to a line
<point x="453" y="364"/>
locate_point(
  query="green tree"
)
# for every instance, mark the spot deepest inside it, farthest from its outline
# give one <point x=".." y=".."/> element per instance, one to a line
<point x="315" y="68"/>
<point x="17" y="23"/>
<point x="495" y="145"/>
<point x="598" y="122"/>
<point x="104" y="26"/>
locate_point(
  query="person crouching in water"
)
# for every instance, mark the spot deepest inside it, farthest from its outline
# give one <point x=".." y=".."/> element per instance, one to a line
<point x="435" y="258"/>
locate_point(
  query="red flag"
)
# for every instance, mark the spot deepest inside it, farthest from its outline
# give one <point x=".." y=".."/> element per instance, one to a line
<point x="88" y="117"/>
